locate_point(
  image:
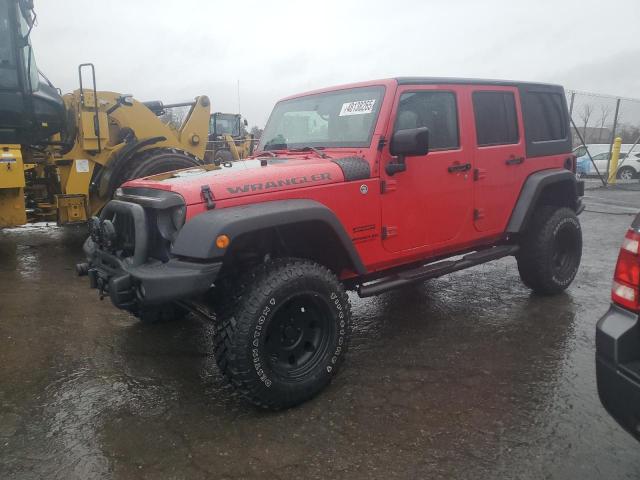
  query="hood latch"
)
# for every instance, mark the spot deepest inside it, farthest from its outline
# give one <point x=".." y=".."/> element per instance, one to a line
<point x="207" y="196"/>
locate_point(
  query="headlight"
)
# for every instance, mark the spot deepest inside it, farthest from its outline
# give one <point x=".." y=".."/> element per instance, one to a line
<point x="170" y="221"/>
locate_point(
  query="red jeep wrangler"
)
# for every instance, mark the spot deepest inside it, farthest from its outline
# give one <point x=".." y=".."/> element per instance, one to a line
<point x="365" y="187"/>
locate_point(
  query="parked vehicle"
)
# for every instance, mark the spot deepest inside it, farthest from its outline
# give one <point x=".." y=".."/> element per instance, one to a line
<point x="618" y="338"/>
<point x="364" y="187"/>
<point x="628" y="163"/>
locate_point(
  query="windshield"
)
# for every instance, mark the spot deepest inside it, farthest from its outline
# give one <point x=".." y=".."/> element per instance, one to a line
<point x="26" y="21"/>
<point x="8" y="69"/>
<point x="344" y="118"/>
<point x="227" y="125"/>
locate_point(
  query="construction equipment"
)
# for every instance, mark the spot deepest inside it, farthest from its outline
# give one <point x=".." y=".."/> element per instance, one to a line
<point x="62" y="157"/>
<point x="228" y="138"/>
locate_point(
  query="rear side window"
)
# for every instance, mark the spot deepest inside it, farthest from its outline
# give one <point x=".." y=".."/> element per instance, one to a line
<point x="435" y="110"/>
<point x="546" y="114"/>
<point x="496" y="119"/>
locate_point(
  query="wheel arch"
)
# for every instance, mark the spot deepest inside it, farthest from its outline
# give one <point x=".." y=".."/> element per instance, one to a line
<point x="548" y="187"/>
<point x="295" y="228"/>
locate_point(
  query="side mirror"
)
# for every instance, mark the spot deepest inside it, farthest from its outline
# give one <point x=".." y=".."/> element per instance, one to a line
<point x="246" y="124"/>
<point x="410" y="142"/>
<point x="407" y="143"/>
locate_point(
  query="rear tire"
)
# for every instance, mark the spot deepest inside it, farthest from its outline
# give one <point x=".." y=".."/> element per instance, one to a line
<point x="550" y="250"/>
<point x="282" y="332"/>
<point x="627" y="173"/>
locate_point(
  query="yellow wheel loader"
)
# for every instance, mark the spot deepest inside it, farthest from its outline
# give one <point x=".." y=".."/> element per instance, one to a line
<point x="63" y="156"/>
<point x="228" y="138"/>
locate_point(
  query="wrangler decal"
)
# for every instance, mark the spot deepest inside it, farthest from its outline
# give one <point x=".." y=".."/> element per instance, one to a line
<point x="255" y="187"/>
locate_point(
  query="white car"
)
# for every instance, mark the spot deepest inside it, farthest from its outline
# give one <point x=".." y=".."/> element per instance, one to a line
<point x="628" y="164"/>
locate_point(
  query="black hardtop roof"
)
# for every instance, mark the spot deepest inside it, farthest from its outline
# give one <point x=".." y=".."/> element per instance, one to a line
<point x="472" y="81"/>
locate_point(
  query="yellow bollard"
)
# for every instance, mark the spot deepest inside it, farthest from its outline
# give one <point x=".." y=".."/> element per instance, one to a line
<point x="613" y="164"/>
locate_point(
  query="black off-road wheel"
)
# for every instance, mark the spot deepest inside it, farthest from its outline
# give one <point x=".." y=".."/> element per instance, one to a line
<point x="282" y="332"/>
<point x="550" y="250"/>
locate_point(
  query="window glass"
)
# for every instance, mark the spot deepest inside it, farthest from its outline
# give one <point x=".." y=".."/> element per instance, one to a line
<point x="496" y="119"/>
<point x="343" y="118"/>
<point x="545" y="117"/>
<point x="435" y="110"/>
<point x="8" y="70"/>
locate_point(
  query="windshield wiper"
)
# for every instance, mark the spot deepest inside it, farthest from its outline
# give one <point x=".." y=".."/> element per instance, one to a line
<point x="311" y="149"/>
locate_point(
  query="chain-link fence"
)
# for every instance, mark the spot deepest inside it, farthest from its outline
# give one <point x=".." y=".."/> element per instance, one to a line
<point x="596" y="121"/>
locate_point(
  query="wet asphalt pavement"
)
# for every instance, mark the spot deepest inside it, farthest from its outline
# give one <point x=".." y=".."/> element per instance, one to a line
<point x="467" y="376"/>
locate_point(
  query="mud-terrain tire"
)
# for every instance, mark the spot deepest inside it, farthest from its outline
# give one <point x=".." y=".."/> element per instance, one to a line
<point x="161" y="314"/>
<point x="282" y="332"/>
<point x="550" y="250"/>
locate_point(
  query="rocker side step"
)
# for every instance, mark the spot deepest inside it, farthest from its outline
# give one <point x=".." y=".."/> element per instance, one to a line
<point x="434" y="270"/>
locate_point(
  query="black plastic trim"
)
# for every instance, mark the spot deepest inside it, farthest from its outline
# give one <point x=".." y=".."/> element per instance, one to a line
<point x="150" y="197"/>
<point x="531" y="191"/>
<point x="140" y="226"/>
<point x="617" y="348"/>
<point x="197" y="238"/>
<point x="467" y="81"/>
<point x="354" y="168"/>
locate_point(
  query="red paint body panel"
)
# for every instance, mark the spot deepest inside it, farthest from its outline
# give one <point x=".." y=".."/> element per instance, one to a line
<point x="425" y="211"/>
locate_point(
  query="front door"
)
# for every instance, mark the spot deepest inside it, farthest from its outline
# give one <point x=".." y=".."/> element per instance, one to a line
<point x="430" y="203"/>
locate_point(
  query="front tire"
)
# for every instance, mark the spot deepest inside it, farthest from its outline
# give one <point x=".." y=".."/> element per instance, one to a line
<point x="283" y="332"/>
<point x="550" y="250"/>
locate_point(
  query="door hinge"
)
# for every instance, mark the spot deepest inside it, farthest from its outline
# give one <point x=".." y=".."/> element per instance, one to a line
<point x="207" y="196"/>
<point x="479" y="173"/>
<point x="387" y="186"/>
<point x="381" y="143"/>
<point x="478" y="214"/>
<point x="389" y="231"/>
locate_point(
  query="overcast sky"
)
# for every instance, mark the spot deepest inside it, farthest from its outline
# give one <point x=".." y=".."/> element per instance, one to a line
<point x="175" y="50"/>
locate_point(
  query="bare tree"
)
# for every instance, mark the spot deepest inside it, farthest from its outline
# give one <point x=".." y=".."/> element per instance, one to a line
<point x="256" y="132"/>
<point x="585" y="114"/>
<point x="174" y="117"/>
<point x="605" y="111"/>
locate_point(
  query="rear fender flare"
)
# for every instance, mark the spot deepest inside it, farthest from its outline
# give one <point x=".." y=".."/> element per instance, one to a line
<point x="532" y="190"/>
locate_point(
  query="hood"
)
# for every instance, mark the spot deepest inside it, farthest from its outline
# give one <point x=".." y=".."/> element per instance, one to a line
<point x="245" y="177"/>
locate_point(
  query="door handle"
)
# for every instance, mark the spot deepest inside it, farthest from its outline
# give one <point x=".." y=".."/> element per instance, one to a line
<point x="514" y="161"/>
<point x="463" y="167"/>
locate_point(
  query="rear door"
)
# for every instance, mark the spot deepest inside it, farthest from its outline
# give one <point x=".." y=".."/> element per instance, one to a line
<point x="430" y="203"/>
<point x="499" y="155"/>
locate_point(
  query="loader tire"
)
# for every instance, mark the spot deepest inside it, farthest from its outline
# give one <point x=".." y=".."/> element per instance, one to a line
<point x="158" y="160"/>
<point x="222" y="157"/>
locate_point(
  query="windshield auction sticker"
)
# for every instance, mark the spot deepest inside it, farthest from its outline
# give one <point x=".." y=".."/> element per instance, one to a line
<point x="357" y="108"/>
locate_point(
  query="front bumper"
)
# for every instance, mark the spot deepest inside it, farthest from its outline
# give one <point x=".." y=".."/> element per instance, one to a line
<point x="139" y="280"/>
<point x="152" y="283"/>
<point x="618" y="367"/>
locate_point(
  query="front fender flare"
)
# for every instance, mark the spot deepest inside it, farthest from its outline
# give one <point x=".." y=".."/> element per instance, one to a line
<point x="197" y="238"/>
